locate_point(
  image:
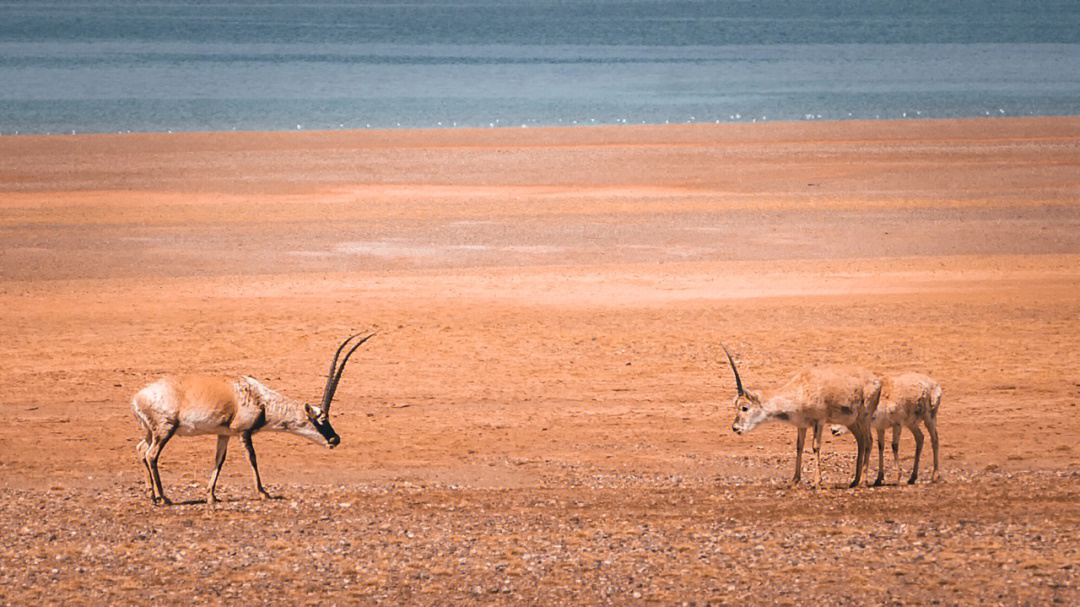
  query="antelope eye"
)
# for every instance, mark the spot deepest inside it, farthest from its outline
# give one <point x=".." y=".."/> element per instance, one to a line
<point x="745" y="408"/>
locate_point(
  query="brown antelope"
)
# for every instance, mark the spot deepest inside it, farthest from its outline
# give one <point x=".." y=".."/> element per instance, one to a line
<point x="812" y="398"/>
<point x="191" y="405"/>
<point x="906" y="400"/>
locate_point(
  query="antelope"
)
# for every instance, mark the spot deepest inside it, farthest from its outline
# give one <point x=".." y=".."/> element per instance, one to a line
<point x="813" y="397"/>
<point x="192" y="405"/>
<point x="906" y="400"/>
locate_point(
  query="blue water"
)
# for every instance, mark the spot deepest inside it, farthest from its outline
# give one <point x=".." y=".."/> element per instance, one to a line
<point x="108" y="65"/>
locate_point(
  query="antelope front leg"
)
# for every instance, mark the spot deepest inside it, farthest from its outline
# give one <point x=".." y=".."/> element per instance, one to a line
<point x="799" y="444"/>
<point x="862" y="438"/>
<point x="219" y="459"/>
<point x="896" y="450"/>
<point x="880" y="458"/>
<point x="931" y="427"/>
<point x="818" y="429"/>
<point x="254" y="466"/>
<point x="918" y="451"/>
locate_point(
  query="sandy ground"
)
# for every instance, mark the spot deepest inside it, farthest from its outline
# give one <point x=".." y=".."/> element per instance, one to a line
<point x="544" y="417"/>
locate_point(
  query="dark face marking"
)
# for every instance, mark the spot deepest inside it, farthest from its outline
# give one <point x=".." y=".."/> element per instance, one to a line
<point x="322" y="424"/>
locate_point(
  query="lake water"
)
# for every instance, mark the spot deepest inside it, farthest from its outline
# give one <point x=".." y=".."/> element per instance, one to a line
<point x="109" y="66"/>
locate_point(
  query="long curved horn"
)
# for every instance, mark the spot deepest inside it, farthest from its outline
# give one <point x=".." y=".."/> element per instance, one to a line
<point x="738" y="382"/>
<point x="334" y="376"/>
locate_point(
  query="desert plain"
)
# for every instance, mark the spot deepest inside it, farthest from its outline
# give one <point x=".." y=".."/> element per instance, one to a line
<point x="544" y="415"/>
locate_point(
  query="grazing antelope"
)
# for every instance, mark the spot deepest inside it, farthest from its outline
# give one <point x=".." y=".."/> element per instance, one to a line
<point x="190" y="405"/>
<point x="906" y="400"/>
<point x="812" y="398"/>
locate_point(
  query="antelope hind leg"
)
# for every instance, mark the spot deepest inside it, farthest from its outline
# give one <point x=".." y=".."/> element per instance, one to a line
<point x="153" y="451"/>
<point x="880" y="458"/>
<point x="818" y="429"/>
<point x="800" y="442"/>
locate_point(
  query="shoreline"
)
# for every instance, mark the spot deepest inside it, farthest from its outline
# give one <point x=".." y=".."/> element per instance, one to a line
<point x="543" y="127"/>
<point x="574" y="132"/>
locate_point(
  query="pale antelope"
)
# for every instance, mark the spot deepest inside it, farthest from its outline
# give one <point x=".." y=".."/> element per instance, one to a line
<point x="813" y="397"/>
<point x="906" y="400"/>
<point x="191" y="405"/>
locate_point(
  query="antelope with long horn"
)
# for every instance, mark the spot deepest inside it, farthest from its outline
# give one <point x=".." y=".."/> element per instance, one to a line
<point x="191" y="405"/>
<point x="813" y="397"/>
<point x="906" y="401"/>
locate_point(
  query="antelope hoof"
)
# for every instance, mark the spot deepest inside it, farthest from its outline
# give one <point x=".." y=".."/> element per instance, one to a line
<point x="878" y="481"/>
<point x="911" y="481"/>
<point x="265" y="496"/>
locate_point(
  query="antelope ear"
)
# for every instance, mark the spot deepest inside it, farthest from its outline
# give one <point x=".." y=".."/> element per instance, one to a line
<point x="307" y="409"/>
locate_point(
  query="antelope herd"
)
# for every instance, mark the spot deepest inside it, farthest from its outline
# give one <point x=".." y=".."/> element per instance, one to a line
<point x="850" y="398"/>
<point x="853" y="400"/>
<point x="838" y="395"/>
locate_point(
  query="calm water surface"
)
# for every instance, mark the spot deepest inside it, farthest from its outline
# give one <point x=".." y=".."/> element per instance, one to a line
<point x="108" y="66"/>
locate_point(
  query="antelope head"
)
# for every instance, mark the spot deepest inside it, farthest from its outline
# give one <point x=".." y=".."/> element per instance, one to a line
<point x="317" y="425"/>
<point x="748" y="409"/>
